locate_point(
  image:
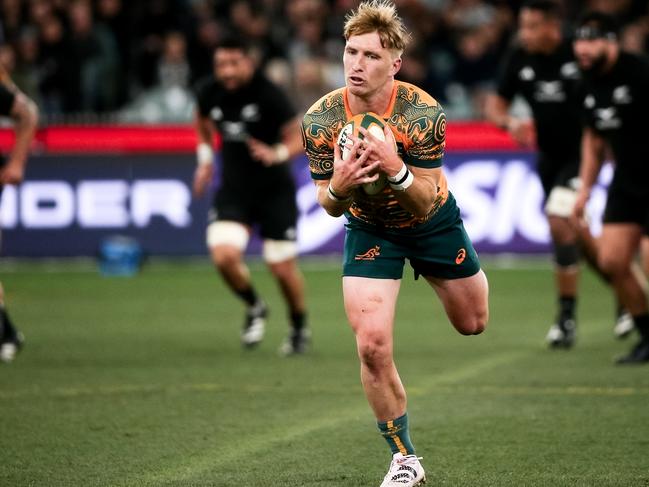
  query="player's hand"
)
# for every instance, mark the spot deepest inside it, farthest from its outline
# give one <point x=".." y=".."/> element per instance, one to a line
<point x="261" y="151"/>
<point x="523" y="131"/>
<point x="202" y="179"/>
<point x="353" y="171"/>
<point x="12" y="173"/>
<point x="579" y="209"/>
<point x="382" y="151"/>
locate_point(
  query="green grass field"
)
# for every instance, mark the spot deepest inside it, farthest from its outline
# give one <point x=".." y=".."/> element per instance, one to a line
<point x="142" y="382"/>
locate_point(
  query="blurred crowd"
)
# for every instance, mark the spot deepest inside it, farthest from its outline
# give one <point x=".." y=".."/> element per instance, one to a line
<point x="136" y="61"/>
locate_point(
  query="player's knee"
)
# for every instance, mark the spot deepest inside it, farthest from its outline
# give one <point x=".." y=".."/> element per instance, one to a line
<point x="225" y="257"/>
<point x="566" y="255"/>
<point x="373" y="349"/>
<point x="612" y="264"/>
<point x="472" y="324"/>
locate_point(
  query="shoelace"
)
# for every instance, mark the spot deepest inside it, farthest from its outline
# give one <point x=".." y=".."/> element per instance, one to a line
<point x="394" y="472"/>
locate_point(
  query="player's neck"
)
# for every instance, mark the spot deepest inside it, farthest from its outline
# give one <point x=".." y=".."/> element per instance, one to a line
<point x="377" y="102"/>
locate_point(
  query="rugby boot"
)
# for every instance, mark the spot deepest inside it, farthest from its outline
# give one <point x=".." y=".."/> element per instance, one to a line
<point x="254" y="325"/>
<point x="639" y="354"/>
<point x="404" y="471"/>
<point x="296" y="343"/>
<point x="562" y="334"/>
<point x="623" y="325"/>
<point x="10" y="347"/>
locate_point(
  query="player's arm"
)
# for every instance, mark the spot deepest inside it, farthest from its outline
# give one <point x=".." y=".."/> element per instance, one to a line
<point x="497" y="112"/>
<point x="414" y="187"/>
<point x="335" y="195"/>
<point x="283" y="151"/>
<point x="24" y="114"/>
<point x="592" y="158"/>
<point x="204" y="153"/>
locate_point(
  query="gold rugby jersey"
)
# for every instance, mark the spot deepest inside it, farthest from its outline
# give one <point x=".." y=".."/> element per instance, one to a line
<point x="418" y="123"/>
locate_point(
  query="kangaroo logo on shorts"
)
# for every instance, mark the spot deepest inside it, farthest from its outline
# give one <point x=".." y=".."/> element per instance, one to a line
<point x="370" y="254"/>
<point x="461" y="255"/>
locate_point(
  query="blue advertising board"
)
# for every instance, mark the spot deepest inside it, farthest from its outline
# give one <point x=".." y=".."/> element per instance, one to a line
<point x="69" y="204"/>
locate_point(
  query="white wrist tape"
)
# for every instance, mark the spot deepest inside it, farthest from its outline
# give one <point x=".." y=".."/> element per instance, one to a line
<point x="204" y="154"/>
<point x="399" y="176"/>
<point x="281" y="153"/>
<point x="337" y="198"/>
<point x="402" y="180"/>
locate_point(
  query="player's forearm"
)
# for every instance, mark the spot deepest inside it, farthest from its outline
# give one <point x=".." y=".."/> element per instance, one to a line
<point x="25" y="118"/>
<point x="592" y="158"/>
<point x="291" y="140"/>
<point x="418" y="198"/>
<point x="497" y="111"/>
<point x="415" y="189"/>
<point x="333" y="203"/>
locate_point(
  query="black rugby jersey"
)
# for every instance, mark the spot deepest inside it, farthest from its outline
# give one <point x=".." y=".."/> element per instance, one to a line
<point x="616" y="106"/>
<point x="6" y="101"/>
<point x="258" y="109"/>
<point x="550" y="85"/>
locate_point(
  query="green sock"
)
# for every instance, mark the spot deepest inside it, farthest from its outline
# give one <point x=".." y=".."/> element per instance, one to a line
<point x="397" y="435"/>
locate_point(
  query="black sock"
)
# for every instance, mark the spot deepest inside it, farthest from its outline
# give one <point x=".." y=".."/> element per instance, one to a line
<point x="567" y="307"/>
<point x="6" y="326"/>
<point x="298" y="320"/>
<point x="641" y="323"/>
<point x="249" y="296"/>
<point x="620" y="310"/>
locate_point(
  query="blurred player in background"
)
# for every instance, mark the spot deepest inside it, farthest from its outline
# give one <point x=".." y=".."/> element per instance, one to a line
<point x="542" y="69"/>
<point x="413" y="217"/>
<point x="24" y="114"/>
<point x="616" y="104"/>
<point x="260" y="134"/>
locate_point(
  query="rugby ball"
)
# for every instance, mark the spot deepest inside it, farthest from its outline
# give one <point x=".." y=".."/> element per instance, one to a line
<point x="374" y="124"/>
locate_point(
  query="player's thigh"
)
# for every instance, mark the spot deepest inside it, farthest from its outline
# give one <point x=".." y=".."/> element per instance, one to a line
<point x="465" y="300"/>
<point x="625" y="219"/>
<point x="370" y="305"/>
<point x="618" y="245"/>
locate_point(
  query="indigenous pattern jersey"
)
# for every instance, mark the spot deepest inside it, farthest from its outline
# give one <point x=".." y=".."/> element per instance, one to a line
<point x="419" y="127"/>
<point x="550" y="85"/>
<point x="616" y="106"/>
<point x="259" y="109"/>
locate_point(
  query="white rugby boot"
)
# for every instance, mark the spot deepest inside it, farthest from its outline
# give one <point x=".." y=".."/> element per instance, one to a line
<point x="623" y="325"/>
<point x="254" y="325"/>
<point x="404" y="471"/>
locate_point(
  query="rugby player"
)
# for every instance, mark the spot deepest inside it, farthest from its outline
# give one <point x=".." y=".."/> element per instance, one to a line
<point x="541" y="68"/>
<point x="615" y="105"/>
<point x="260" y="134"/>
<point x="414" y="217"/>
<point x="24" y="114"/>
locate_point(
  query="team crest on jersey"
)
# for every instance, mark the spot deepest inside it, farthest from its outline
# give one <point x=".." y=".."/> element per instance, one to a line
<point x="527" y="74"/>
<point x="250" y="113"/>
<point x="216" y="114"/>
<point x="549" y="91"/>
<point x="569" y="70"/>
<point x="622" y="95"/>
<point x="607" y="118"/>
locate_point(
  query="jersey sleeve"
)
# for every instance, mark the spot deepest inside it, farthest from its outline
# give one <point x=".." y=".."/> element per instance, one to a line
<point x="427" y="137"/>
<point x="320" y="127"/>
<point x="6" y="101"/>
<point x="507" y="80"/>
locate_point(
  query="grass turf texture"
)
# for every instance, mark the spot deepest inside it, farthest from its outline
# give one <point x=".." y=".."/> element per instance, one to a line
<point x="142" y="381"/>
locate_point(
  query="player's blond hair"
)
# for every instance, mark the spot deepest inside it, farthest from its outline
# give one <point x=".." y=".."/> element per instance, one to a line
<point x="378" y="16"/>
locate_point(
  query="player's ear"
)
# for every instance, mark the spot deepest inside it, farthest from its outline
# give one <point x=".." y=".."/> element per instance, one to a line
<point x="396" y="65"/>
